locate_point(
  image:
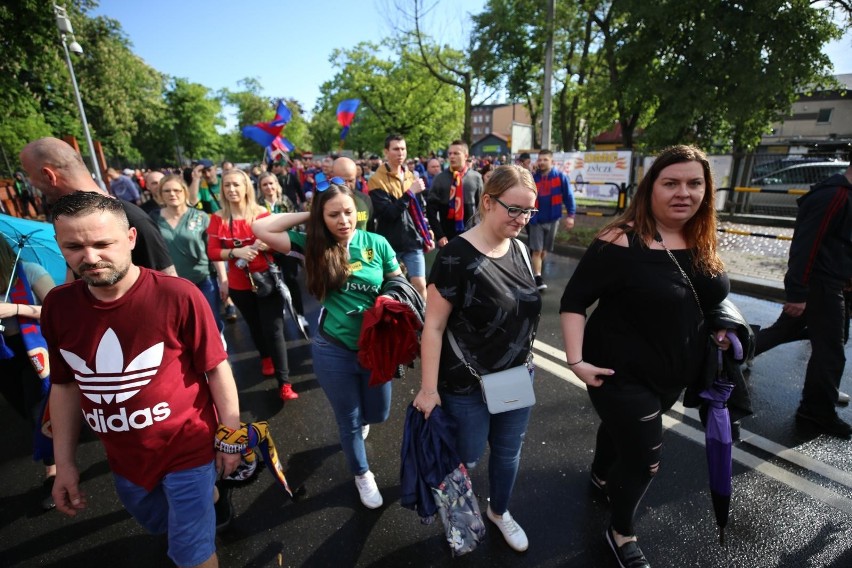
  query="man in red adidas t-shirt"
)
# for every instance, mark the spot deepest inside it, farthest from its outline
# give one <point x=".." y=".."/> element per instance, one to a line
<point x="132" y="347"/>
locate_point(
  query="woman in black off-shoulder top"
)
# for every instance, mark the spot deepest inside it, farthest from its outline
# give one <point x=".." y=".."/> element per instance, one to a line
<point x="654" y="272"/>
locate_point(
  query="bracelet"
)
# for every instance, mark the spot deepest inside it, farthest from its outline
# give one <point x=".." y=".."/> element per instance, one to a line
<point x="577" y="363"/>
<point x="17" y="310"/>
<point x="428" y="393"/>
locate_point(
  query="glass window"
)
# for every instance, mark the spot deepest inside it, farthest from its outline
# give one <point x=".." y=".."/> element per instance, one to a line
<point x="824" y="115"/>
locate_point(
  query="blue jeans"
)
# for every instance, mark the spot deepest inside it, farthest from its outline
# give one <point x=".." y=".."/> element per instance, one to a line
<point x="210" y="288"/>
<point x="504" y="433"/>
<point x="355" y="403"/>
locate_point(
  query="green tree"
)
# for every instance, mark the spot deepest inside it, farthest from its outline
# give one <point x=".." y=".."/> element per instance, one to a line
<point x="119" y="90"/>
<point x="396" y="96"/>
<point x="196" y="113"/>
<point x="252" y="107"/>
<point x="35" y="89"/>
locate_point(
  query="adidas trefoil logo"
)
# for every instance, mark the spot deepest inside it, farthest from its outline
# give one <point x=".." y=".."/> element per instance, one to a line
<point x="111" y="380"/>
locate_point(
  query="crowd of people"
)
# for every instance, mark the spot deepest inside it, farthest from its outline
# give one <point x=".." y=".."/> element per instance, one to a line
<point x="352" y="225"/>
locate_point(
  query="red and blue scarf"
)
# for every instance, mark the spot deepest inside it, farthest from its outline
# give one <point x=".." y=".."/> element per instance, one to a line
<point x="455" y="212"/>
<point x="420" y="222"/>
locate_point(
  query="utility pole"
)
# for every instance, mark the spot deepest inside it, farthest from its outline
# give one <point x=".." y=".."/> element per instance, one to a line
<point x="547" y="118"/>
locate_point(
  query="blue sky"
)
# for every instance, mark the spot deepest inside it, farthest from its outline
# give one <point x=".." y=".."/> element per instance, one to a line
<point x="284" y="44"/>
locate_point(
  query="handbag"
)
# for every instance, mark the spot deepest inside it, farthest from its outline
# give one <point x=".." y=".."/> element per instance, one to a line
<point x="509" y="389"/>
<point x="265" y="283"/>
<point x="505" y="390"/>
<point x="458" y="509"/>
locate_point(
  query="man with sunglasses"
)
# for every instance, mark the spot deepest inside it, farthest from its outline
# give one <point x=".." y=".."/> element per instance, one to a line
<point x="454" y="195"/>
<point x="554" y="191"/>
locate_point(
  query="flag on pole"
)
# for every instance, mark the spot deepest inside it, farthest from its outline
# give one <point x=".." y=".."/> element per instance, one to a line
<point x="345" y="114"/>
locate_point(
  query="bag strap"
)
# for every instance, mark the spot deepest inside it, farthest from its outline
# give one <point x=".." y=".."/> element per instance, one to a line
<point x="457" y="350"/>
<point x="659" y="239"/>
<point x="526" y="256"/>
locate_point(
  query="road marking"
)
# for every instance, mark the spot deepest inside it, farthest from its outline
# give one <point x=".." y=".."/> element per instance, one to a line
<point x="747" y="459"/>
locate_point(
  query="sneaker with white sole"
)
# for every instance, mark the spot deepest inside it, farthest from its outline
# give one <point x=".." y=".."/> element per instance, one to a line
<point x="515" y="536"/>
<point x="368" y="490"/>
<point x="365" y="431"/>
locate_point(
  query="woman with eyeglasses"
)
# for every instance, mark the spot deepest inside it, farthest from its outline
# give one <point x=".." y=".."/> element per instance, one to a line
<point x="230" y="238"/>
<point x="481" y="289"/>
<point x="184" y="229"/>
<point x="345" y="270"/>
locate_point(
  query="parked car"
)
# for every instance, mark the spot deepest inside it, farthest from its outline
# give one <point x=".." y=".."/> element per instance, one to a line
<point x="765" y="164"/>
<point x="798" y="176"/>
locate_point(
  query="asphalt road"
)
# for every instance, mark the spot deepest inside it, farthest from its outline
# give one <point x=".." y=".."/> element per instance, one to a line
<point x="792" y="503"/>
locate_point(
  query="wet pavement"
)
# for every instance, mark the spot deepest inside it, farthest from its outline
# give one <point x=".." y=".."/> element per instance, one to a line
<point x="792" y="503"/>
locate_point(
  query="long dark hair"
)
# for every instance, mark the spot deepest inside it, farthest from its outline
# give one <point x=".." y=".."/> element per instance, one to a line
<point x="326" y="259"/>
<point x="700" y="230"/>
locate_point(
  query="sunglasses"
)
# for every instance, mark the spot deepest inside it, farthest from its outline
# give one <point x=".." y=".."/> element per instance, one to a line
<point x="515" y="212"/>
<point x="322" y="183"/>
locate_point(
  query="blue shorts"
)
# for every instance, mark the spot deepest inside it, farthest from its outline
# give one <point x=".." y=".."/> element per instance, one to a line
<point x="414" y="262"/>
<point x="181" y="506"/>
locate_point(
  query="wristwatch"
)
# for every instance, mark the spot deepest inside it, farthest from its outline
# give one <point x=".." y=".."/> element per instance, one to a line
<point x="231" y="254"/>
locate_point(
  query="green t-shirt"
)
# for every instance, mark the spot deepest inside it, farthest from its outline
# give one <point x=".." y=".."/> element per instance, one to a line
<point x="208" y="197"/>
<point x="187" y="244"/>
<point x="370" y="258"/>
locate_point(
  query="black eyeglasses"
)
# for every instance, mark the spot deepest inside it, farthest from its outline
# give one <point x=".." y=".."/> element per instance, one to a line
<point x="322" y="183"/>
<point x="515" y="212"/>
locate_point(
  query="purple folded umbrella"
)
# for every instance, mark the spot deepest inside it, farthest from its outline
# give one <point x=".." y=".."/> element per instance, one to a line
<point x="718" y="437"/>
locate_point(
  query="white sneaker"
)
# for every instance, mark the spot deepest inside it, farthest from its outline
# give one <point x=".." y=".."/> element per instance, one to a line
<point x="365" y="431"/>
<point x="515" y="536"/>
<point x="369" y="491"/>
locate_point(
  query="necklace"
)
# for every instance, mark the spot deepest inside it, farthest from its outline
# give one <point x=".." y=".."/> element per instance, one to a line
<point x="659" y="238"/>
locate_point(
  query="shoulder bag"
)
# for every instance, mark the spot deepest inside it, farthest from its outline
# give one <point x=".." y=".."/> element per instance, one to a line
<point x="509" y="389"/>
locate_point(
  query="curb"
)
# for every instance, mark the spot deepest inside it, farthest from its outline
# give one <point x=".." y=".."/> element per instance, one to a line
<point x="740" y="283"/>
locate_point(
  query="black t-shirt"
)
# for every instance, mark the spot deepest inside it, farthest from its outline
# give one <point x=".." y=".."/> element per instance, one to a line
<point x="647" y="326"/>
<point x="495" y="308"/>
<point x="150" y="250"/>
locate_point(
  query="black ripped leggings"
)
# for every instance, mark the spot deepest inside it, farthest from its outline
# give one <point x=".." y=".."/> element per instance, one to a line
<point x="629" y="443"/>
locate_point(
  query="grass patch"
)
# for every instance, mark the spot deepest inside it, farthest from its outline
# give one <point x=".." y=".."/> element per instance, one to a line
<point x="578" y="236"/>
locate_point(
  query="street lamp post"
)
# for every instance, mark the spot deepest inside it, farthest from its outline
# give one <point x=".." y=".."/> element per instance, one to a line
<point x="65" y="29"/>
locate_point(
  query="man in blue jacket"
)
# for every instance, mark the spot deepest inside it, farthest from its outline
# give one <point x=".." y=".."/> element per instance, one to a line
<point x="818" y="272"/>
<point x="554" y="191"/>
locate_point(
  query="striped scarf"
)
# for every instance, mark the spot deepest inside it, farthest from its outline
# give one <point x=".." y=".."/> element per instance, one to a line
<point x="455" y="212"/>
<point x="420" y="222"/>
<point x="248" y="437"/>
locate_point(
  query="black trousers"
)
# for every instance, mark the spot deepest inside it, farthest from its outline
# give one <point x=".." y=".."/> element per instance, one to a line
<point x="827" y="319"/>
<point x="629" y="443"/>
<point x="265" y="320"/>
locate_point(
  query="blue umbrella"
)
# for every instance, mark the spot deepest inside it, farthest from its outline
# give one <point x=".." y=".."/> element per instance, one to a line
<point x="33" y="241"/>
<point x="718" y="436"/>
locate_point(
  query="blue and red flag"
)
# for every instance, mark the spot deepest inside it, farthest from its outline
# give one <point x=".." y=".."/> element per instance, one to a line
<point x="346" y="114"/>
<point x="265" y="133"/>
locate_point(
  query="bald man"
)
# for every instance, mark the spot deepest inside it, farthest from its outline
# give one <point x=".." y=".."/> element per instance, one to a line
<point x="57" y="169"/>
<point x="345" y="169"/>
<point x="152" y="186"/>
